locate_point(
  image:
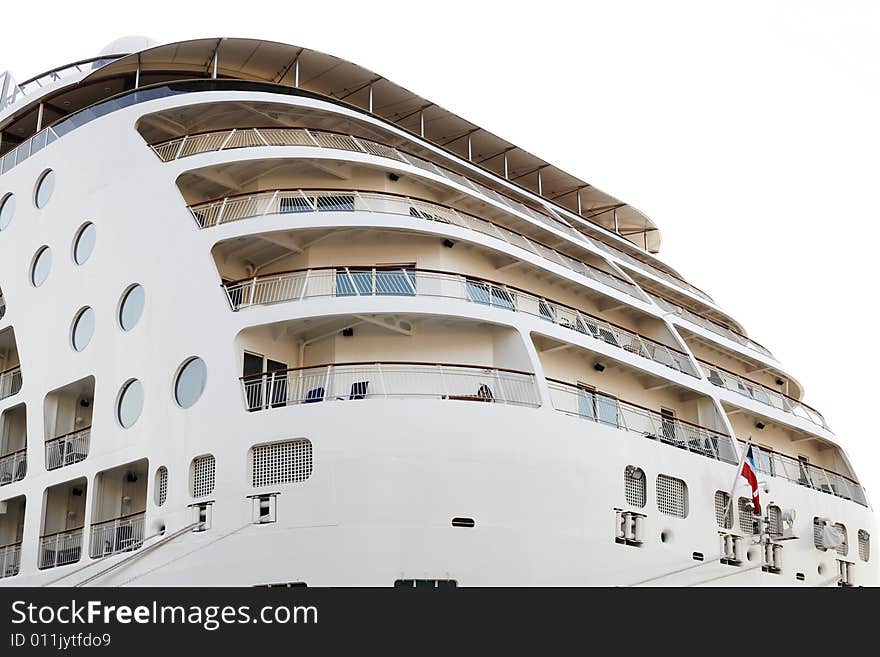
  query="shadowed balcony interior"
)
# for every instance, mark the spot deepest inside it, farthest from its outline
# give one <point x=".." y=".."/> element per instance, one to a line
<point x="119" y="504"/>
<point x="67" y="414"/>
<point x="61" y="534"/>
<point x="11" y="533"/>
<point x="13" y="444"/>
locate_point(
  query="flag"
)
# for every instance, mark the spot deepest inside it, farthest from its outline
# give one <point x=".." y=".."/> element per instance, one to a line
<point x="750" y="472"/>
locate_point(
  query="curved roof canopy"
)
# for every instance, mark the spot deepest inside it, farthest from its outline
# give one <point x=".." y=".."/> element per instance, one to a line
<point x="329" y="76"/>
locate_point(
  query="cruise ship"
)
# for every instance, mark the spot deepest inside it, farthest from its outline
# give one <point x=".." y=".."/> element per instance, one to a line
<point x="270" y="319"/>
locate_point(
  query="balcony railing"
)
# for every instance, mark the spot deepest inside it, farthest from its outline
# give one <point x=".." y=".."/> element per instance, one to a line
<point x="249" y="137"/>
<point x="10" y="559"/>
<point x="710" y="325"/>
<point x="353" y="281"/>
<point x="304" y="201"/>
<point x="761" y="393"/>
<point x="122" y="534"/>
<point x="10" y="382"/>
<point x="13" y="467"/>
<point x="60" y="548"/>
<point x="372" y="380"/>
<point x="67" y="449"/>
<point x="800" y="472"/>
<point x="610" y="411"/>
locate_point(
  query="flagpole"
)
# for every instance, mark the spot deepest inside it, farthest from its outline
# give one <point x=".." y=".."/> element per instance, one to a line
<point x="728" y="512"/>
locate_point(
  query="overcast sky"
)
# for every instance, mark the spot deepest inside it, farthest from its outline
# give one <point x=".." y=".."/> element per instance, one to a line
<point x="747" y="131"/>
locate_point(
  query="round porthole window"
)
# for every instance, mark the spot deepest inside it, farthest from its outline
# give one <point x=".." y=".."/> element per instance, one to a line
<point x="131" y="403"/>
<point x="45" y="187"/>
<point x="83" y="329"/>
<point x="131" y="307"/>
<point x="7" y="209"/>
<point x="84" y="243"/>
<point x="41" y="266"/>
<point x="190" y="382"/>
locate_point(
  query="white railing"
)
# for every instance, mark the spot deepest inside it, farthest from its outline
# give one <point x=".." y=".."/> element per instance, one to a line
<point x="354" y="381"/>
<point x="10" y="382"/>
<point x="607" y="410"/>
<point x="761" y="393"/>
<point x="27" y="148"/>
<point x="347" y="281"/>
<point x="117" y="535"/>
<point x="302" y="201"/>
<point x="13" y="467"/>
<point x="249" y="137"/>
<point x="10" y="560"/>
<point x="60" y="548"/>
<point x="709" y="325"/>
<point x="68" y="449"/>
<point x="803" y="473"/>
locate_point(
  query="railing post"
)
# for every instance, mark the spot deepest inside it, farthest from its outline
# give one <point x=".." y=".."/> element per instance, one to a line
<point x="381" y="379"/>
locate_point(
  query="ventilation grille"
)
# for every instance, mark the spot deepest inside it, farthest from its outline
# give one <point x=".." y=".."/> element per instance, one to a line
<point x="746" y="517"/>
<point x="672" y="496"/>
<point x="282" y="463"/>
<point x="161" y="485"/>
<point x="723" y="514"/>
<point x="864" y="545"/>
<point x="774" y="517"/>
<point x="203" y="469"/>
<point x="817" y="534"/>
<point x="634" y="485"/>
<point x="843" y="548"/>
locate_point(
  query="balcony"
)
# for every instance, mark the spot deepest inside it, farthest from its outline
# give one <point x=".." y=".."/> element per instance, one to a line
<point x="776" y="464"/>
<point x="68" y="449"/>
<point x="60" y="548"/>
<point x="357" y="381"/>
<point x="117" y="535"/>
<point x="10" y="559"/>
<point x="349" y="281"/>
<point x="607" y="410"/>
<point x="260" y="204"/>
<point x="10" y="382"/>
<point x="13" y="467"/>
<point x="753" y="390"/>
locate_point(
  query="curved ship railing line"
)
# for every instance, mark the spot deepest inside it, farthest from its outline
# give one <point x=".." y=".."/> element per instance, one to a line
<point x="300" y="201"/>
<point x="60" y="548"/>
<point x="776" y="464"/>
<point x="13" y="466"/>
<point x="10" y="559"/>
<point x="68" y="448"/>
<point x="372" y="380"/>
<point x="10" y="382"/>
<point x="710" y="325"/>
<point x="253" y="137"/>
<point x="759" y="392"/>
<point x="122" y="534"/>
<point x="608" y="410"/>
<point x="377" y="281"/>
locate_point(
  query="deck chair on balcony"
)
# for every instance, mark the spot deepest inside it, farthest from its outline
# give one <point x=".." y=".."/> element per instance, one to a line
<point x="359" y="390"/>
<point x="314" y="395"/>
<point x="484" y="393"/>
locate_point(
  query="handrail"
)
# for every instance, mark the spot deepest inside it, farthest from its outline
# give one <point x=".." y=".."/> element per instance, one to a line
<point x="218" y="139"/>
<point x="69" y="433"/>
<point x="125" y="517"/>
<point x="11" y="369"/>
<point x="384" y="362"/>
<point x="18" y="451"/>
<point x="9" y="545"/>
<point x="63" y="531"/>
<point x="299" y="284"/>
<point x="257" y="204"/>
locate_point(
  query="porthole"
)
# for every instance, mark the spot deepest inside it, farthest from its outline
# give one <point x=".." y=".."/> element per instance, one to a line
<point x="7" y="209"/>
<point x="190" y="382"/>
<point x="131" y="307"/>
<point x="45" y="187"/>
<point x="83" y="329"/>
<point x="84" y="243"/>
<point x="41" y="266"/>
<point x="131" y="403"/>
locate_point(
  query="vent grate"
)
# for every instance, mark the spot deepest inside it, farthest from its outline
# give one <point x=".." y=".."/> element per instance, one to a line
<point x="672" y="496"/>
<point x="746" y="517"/>
<point x="864" y="545"/>
<point x="203" y="472"/>
<point x="282" y="463"/>
<point x="161" y="485"/>
<point x="843" y="548"/>
<point x="723" y="514"/>
<point x="774" y="517"/>
<point x="634" y="486"/>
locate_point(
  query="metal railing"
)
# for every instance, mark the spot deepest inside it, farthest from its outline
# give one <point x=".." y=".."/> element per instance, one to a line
<point x="800" y="472"/>
<point x="60" y="548"/>
<point x="761" y="393"/>
<point x="27" y="148"/>
<point x="123" y="534"/>
<point x="195" y="144"/>
<point x="10" y="382"/>
<point x="372" y="380"/>
<point x="307" y="201"/>
<point x="68" y="448"/>
<point x="82" y="66"/>
<point x="605" y="409"/>
<point x="354" y="281"/>
<point x="710" y="325"/>
<point x="13" y="467"/>
<point x="10" y="559"/>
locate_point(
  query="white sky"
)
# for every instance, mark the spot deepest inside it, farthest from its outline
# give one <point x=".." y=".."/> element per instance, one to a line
<point x="747" y="131"/>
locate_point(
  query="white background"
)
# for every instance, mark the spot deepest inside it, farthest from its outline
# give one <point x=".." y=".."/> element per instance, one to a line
<point x="747" y="131"/>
